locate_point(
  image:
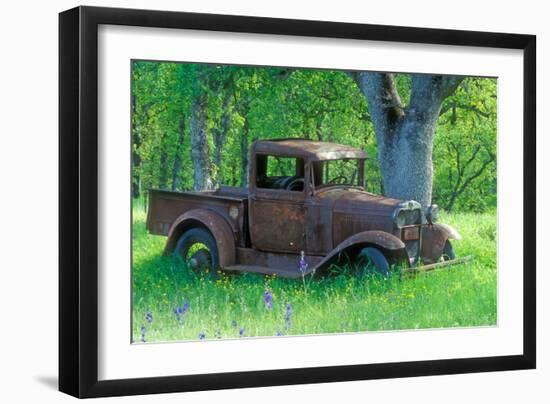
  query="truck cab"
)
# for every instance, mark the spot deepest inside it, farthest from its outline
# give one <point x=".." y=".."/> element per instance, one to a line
<point x="288" y="181"/>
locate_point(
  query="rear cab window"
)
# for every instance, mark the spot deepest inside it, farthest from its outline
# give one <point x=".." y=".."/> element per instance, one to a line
<point x="280" y="172"/>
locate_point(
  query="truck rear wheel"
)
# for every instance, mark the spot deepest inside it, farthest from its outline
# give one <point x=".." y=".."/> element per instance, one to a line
<point x="198" y="250"/>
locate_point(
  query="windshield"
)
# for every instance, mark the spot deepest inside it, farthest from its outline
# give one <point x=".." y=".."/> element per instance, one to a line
<point x="343" y="172"/>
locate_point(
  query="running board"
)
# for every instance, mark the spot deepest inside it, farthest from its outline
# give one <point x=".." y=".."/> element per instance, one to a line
<point x="283" y="273"/>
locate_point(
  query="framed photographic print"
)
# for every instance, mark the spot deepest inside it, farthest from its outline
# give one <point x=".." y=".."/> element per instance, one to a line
<point x="251" y="201"/>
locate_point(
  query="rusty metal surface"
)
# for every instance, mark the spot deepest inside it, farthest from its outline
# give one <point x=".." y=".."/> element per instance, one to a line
<point x="450" y="231"/>
<point x="258" y="269"/>
<point x="319" y="217"/>
<point x="355" y="212"/>
<point x="277" y="225"/>
<point x="280" y="264"/>
<point x="410" y="233"/>
<point x="232" y="192"/>
<point x="264" y="230"/>
<point x="379" y="238"/>
<point x="215" y="223"/>
<point x="392" y="247"/>
<point x="433" y="241"/>
<point x="310" y="149"/>
<point x="165" y="207"/>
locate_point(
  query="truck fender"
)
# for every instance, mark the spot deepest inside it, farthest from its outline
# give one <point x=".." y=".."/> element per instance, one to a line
<point x="434" y="238"/>
<point x="214" y="223"/>
<point x="391" y="246"/>
<point x="449" y="231"/>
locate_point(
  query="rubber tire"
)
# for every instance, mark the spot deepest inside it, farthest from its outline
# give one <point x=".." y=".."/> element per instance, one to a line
<point x="198" y="235"/>
<point x="375" y="256"/>
<point x="448" y="252"/>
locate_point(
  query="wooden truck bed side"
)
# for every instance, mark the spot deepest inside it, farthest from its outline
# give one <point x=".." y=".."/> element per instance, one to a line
<point x="229" y="202"/>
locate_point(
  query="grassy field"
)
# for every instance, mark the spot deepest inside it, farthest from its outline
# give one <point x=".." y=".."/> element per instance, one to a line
<point x="170" y="303"/>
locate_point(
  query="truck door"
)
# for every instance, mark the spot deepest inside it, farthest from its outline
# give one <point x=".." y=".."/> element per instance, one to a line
<point x="276" y="205"/>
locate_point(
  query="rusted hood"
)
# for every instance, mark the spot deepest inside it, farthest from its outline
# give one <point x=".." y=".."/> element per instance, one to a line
<point x="354" y="211"/>
<point x="352" y="200"/>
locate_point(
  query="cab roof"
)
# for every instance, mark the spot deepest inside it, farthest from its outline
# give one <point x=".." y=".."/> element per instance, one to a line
<point x="309" y="149"/>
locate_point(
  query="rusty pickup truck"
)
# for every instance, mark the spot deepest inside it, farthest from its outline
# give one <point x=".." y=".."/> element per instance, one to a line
<point x="304" y="209"/>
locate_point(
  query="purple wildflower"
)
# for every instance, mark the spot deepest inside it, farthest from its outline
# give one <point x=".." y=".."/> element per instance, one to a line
<point x="149" y="317"/>
<point x="303" y="263"/>
<point x="202" y="335"/>
<point x="142" y="329"/>
<point x="241" y="332"/>
<point x="288" y="315"/>
<point x="233" y="323"/>
<point x="279" y="334"/>
<point x="180" y="311"/>
<point x="268" y="299"/>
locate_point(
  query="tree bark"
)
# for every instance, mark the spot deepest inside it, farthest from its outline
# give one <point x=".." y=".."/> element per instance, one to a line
<point x="163" y="169"/>
<point x="220" y="134"/>
<point x="405" y="134"/>
<point x="176" y="180"/>
<point x="136" y="158"/>
<point x="244" y="154"/>
<point x="200" y="153"/>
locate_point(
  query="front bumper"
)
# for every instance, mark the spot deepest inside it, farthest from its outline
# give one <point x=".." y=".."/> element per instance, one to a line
<point x="432" y="267"/>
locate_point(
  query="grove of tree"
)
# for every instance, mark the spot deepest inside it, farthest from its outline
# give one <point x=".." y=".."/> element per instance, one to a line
<point x="430" y="138"/>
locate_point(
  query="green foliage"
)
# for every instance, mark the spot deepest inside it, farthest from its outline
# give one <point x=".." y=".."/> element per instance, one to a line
<point x="465" y="148"/>
<point x="462" y="296"/>
<point x="249" y="103"/>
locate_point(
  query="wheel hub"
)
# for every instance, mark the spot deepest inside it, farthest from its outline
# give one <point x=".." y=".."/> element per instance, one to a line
<point x="200" y="259"/>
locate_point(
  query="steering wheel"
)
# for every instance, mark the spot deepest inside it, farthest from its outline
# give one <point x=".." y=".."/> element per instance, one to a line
<point x="342" y="178"/>
<point x="297" y="184"/>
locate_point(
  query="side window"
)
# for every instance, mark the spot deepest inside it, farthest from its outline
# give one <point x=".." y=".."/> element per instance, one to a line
<point x="338" y="172"/>
<point x="278" y="172"/>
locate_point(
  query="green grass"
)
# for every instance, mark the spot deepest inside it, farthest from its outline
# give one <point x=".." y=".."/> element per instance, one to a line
<point x="463" y="296"/>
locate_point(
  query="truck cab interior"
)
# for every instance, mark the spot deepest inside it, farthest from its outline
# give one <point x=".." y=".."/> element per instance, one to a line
<point x="288" y="173"/>
<point x="278" y="172"/>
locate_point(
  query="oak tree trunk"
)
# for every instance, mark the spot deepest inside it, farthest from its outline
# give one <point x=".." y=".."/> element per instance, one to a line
<point x="244" y="154"/>
<point x="163" y="174"/>
<point x="176" y="179"/>
<point x="200" y="155"/>
<point x="405" y="134"/>
<point x="136" y="158"/>
<point x="220" y="135"/>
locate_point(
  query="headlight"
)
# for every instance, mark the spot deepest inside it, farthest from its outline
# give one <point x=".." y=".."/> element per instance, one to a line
<point x="400" y="218"/>
<point x="432" y="214"/>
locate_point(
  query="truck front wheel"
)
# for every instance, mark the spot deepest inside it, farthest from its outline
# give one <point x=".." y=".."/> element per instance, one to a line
<point x="373" y="257"/>
<point x="448" y="252"/>
<point x="198" y="250"/>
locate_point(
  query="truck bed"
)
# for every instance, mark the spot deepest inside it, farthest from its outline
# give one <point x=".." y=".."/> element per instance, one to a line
<point x="166" y="206"/>
<point x="232" y="192"/>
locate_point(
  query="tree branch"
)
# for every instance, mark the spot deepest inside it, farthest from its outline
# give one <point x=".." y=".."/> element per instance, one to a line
<point x="384" y="103"/>
<point x="477" y="173"/>
<point x="472" y="157"/>
<point x="476" y="110"/>
<point x="428" y="90"/>
<point x="283" y="74"/>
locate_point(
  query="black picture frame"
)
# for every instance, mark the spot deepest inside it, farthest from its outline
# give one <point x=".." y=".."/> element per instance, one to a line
<point x="78" y="201"/>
